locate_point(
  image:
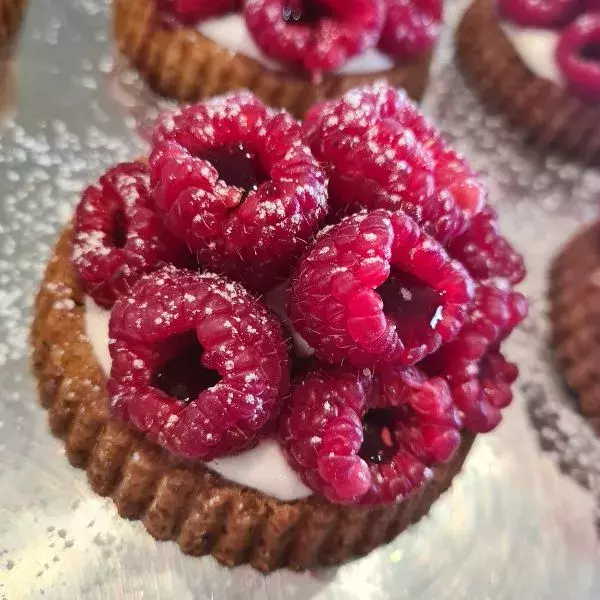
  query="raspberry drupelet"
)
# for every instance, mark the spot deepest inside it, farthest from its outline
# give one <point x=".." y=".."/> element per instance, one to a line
<point x="236" y="183"/>
<point x="199" y="365"/>
<point x="117" y="235"/>
<point x="485" y="253"/>
<point x="361" y="437"/>
<point x="314" y="35"/>
<point x="375" y="289"/>
<point x="381" y="152"/>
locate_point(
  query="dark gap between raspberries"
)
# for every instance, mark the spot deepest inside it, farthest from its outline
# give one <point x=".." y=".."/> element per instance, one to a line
<point x="411" y="304"/>
<point x="183" y="376"/>
<point x="591" y="52"/>
<point x="238" y="166"/>
<point x="304" y="12"/>
<point x="379" y="443"/>
<point x="119" y="229"/>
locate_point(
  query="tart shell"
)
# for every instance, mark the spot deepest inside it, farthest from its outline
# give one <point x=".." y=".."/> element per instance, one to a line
<point x="184" y="501"/>
<point x="183" y="64"/>
<point x="11" y="16"/>
<point x="575" y="319"/>
<point x="552" y="117"/>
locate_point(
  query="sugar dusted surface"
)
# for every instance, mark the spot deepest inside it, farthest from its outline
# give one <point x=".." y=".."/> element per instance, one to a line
<point x="510" y="490"/>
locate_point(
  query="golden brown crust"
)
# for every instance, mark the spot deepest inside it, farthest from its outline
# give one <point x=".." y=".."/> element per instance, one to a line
<point x="11" y="15"/>
<point x="552" y="117"/>
<point x="184" y="64"/>
<point x="575" y="318"/>
<point x="181" y="501"/>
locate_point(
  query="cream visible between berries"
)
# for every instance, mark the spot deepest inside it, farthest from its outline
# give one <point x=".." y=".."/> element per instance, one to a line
<point x="574" y="42"/>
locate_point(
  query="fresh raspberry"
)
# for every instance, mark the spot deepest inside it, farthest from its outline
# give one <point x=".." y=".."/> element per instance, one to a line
<point x="375" y="289"/>
<point x="539" y="13"/>
<point x="381" y="152"/>
<point x="496" y="311"/>
<point x="199" y="365"/>
<point x="411" y="27"/>
<point x="118" y="237"/>
<point x="578" y="56"/>
<point x="485" y="253"/>
<point x="189" y="12"/>
<point x="314" y="35"/>
<point x="481" y="393"/>
<point x="235" y="182"/>
<point x="359" y="437"/>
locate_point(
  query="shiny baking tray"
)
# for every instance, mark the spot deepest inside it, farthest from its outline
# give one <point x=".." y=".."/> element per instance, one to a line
<point x="520" y="521"/>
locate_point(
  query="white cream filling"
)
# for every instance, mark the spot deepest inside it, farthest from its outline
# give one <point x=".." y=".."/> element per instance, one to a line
<point x="263" y="468"/>
<point x="537" y="49"/>
<point x="230" y="31"/>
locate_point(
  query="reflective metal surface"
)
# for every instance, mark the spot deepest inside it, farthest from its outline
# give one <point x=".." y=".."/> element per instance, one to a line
<point x="512" y="527"/>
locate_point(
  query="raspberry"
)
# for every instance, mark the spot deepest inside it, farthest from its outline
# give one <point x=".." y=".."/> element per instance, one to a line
<point x="375" y="289"/>
<point x="578" y="56"/>
<point x="411" y="27"/>
<point x="539" y="13"/>
<point x="481" y="393"/>
<point x="235" y="182"/>
<point x="117" y="236"/>
<point x="485" y="253"/>
<point x="359" y="437"/>
<point x="189" y="12"/>
<point x="199" y="365"/>
<point x="381" y="152"/>
<point x="496" y="311"/>
<point x="314" y="35"/>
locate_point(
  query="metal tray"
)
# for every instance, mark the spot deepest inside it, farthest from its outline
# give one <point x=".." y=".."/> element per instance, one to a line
<point x="512" y="527"/>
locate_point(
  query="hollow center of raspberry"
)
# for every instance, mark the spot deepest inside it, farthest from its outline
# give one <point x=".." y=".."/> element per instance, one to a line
<point x="379" y="443"/>
<point x="238" y="166"/>
<point x="184" y="376"/>
<point x="591" y="52"/>
<point x="304" y="12"/>
<point x="411" y="304"/>
<point x="119" y="229"/>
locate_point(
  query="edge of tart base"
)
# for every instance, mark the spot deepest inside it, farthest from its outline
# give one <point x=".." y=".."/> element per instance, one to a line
<point x="184" y="501"/>
<point x="574" y="296"/>
<point x="184" y="64"/>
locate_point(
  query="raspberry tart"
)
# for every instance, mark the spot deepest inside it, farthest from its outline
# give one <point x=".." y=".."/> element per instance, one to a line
<point x="302" y="403"/>
<point x="538" y="62"/>
<point x="290" y="53"/>
<point x="575" y="320"/>
<point x="11" y="16"/>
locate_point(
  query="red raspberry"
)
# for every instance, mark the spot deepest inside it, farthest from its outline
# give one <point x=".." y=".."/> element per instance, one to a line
<point x="117" y="236"/>
<point x="375" y="289"/>
<point x="381" y="152"/>
<point x="578" y="56"/>
<point x="361" y="438"/>
<point x="314" y="35"/>
<point x="539" y="13"/>
<point x="496" y="311"/>
<point x="235" y="182"/>
<point x="411" y="27"/>
<point x="199" y="365"/>
<point x="189" y="12"/>
<point x="485" y="253"/>
<point x="483" y="391"/>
